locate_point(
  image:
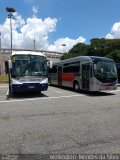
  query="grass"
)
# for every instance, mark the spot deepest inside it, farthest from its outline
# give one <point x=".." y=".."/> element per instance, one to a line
<point x="3" y="78"/>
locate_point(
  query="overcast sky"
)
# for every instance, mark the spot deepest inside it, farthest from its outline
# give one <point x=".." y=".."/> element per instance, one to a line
<point x="53" y="23"/>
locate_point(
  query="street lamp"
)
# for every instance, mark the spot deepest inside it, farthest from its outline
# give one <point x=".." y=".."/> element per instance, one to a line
<point x="10" y="15"/>
<point x="0" y="55"/>
<point x="0" y="42"/>
<point x="34" y="47"/>
<point x="63" y="44"/>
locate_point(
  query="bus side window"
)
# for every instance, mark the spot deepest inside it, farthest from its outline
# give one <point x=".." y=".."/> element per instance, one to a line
<point x="91" y="71"/>
<point x="75" y="67"/>
<point x="66" y="68"/>
<point x="53" y="69"/>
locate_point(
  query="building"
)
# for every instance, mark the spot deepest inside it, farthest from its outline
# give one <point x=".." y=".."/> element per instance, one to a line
<point x="5" y="56"/>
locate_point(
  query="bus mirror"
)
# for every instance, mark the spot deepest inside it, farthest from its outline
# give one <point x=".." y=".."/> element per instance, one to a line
<point x="9" y="64"/>
<point x="95" y="67"/>
<point x="49" y="64"/>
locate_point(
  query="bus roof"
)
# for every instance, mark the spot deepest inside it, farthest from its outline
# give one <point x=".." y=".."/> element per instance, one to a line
<point x="27" y="53"/>
<point x="79" y="58"/>
<point x="83" y="58"/>
<point x="118" y="65"/>
<point x="97" y="58"/>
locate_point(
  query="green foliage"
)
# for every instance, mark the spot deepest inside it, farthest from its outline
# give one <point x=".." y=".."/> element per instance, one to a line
<point x="104" y="46"/>
<point x="66" y="56"/>
<point x="78" y="50"/>
<point x="3" y="78"/>
<point x="98" y="47"/>
<point x="114" y="55"/>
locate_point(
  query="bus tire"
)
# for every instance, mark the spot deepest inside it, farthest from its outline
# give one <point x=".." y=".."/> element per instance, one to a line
<point x="76" y="86"/>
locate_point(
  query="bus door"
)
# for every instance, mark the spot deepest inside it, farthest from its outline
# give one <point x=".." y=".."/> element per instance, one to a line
<point x="60" y="75"/>
<point x="85" y="76"/>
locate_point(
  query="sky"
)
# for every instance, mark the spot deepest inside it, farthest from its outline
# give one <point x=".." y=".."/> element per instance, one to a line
<point x="58" y="25"/>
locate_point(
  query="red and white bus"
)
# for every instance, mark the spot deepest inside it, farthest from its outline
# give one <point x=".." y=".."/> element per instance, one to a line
<point x="90" y="73"/>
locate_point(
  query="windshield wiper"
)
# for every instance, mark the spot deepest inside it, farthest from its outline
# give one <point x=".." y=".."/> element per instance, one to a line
<point x="38" y="74"/>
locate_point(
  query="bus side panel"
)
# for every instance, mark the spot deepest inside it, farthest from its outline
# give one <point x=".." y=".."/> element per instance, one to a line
<point x="118" y="71"/>
<point x="54" y="78"/>
<point x="69" y="78"/>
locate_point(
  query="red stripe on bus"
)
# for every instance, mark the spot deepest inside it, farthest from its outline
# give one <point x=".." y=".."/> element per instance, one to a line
<point x="68" y="77"/>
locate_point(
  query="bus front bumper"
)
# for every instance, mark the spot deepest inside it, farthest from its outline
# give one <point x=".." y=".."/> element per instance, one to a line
<point x="29" y="87"/>
<point x="103" y="87"/>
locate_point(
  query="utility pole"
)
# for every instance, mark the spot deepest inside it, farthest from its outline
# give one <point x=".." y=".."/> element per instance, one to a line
<point x="0" y="42"/>
<point x="10" y="15"/>
<point x="34" y="43"/>
<point x="0" y="55"/>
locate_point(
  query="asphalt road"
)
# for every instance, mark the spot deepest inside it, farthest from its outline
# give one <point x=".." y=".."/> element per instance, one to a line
<point x="60" y="121"/>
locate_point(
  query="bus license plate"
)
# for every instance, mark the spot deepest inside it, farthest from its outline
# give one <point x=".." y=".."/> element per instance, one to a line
<point x="31" y="87"/>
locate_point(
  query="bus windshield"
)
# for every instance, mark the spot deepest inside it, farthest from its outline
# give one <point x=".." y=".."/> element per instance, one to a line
<point x="105" y="69"/>
<point x="29" y="65"/>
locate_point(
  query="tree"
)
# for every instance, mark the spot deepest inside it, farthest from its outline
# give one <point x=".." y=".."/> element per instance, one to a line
<point x="115" y="55"/>
<point x="98" y="47"/>
<point x="79" y="49"/>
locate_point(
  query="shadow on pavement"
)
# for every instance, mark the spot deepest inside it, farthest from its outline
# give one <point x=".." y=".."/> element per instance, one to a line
<point x="96" y="93"/>
<point x="26" y="95"/>
<point x="87" y="93"/>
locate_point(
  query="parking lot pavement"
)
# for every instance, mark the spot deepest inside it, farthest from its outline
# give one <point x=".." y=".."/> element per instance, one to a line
<point x="52" y="92"/>
<point x="3" y="91"/>
<point x="60" y="120"/>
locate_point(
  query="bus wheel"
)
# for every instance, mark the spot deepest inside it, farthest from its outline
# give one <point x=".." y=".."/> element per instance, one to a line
<point x="76" y="86"/>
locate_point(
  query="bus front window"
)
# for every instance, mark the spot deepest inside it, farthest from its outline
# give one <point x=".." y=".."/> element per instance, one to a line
<point x="20" y="65"/>
<point x="38" y="66"/>
<point x="27" y="65"/>
<point x="105" y="69"/>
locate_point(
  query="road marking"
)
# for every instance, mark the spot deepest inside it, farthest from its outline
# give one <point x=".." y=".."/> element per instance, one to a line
<point x="7" y="94"/>
<point x="45" y="98"/>
<point x="3" y="86"/>
<point x="2" y="96"/>
<point x="54" y="90"/>
<point x="118" y="90"/>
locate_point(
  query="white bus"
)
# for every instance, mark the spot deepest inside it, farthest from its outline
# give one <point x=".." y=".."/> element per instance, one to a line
<point x="28" y="72"/>
<point x="90" y="73"/>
